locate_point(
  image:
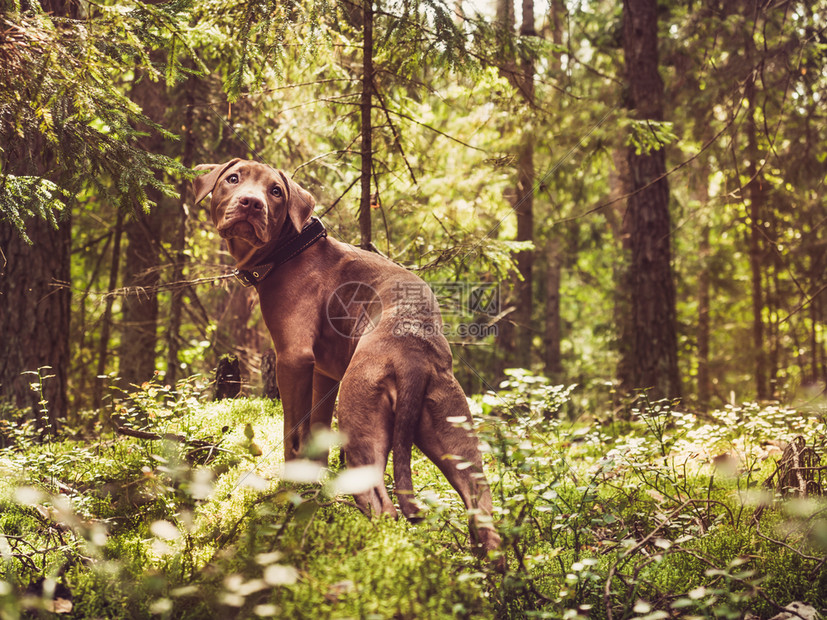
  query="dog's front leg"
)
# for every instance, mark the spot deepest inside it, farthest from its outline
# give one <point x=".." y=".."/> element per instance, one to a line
<point x="294" y="374"/>
<point x="324" y="401"/>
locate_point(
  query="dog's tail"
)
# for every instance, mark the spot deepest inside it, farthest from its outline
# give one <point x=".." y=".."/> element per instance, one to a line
<point x="409" y="403"/>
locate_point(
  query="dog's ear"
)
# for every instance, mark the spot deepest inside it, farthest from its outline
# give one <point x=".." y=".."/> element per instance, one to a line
<point x="300" y="202"/>
<point x="205" y="183"/>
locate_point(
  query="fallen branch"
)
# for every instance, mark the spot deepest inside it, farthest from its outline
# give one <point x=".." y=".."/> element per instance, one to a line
<point x="197" y="445"/>
<point x="781" y="543"/>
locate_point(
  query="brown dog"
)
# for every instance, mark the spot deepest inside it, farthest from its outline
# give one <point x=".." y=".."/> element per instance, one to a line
<point x="340" y="314"/>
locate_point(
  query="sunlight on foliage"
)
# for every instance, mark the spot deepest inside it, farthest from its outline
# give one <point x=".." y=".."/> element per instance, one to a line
<point x="642" y="518"/>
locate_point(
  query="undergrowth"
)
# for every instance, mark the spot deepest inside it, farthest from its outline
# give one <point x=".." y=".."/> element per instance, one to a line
<point x="188" y="512"/>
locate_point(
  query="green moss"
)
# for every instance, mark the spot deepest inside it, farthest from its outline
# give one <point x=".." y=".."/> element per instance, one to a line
<point x="139" y="528"/>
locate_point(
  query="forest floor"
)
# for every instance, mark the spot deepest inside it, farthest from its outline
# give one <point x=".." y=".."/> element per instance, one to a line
<point x="663" y="515"/>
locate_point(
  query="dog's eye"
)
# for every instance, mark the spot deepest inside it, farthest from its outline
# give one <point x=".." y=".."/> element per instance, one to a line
<point x="233" y="178"/>
<point x="276" y="191"/>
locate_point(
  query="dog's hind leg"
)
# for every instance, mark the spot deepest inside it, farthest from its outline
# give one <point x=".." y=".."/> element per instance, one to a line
<point x="454" y="450"/>
<point x="410" y="384"/>
<point x="366" y="418"/>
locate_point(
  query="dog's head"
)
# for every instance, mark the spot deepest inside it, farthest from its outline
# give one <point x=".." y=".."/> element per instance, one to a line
<point x="250" y="203"/>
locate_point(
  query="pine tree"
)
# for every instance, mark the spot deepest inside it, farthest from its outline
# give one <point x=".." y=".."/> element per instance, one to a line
<point x="649" y="332"/>
<point x="65" y="126"/>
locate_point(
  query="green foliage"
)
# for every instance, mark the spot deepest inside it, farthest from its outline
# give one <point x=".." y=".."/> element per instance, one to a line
<point x="65" y="120"/>
<point x="523" y="393"/>
<point x="648" y="136"/>
<point x="595" y="519"/>
<point x="641" y="517"/>
<point x="25" y="197"/>
<point x="447" y="120"/>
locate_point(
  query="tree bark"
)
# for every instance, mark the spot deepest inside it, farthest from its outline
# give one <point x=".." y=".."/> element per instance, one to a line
<point x="236" y="332"/>
<point x="505" y="17"/>
<point x="555" y="244"/>
<point x="34" y="319"/>
<point x="524" y="206"/>
<point x="176" y="301"/>
<point x="755" y="193"/>
<point x="179" y="241"/>
<point x="106" y="320"/>
<point x="704" y="378"/>
<point x="700" y="193"/>
<point x="366" y="129"/>
<point x="649" y="341"/>
<point x="553" y="358"/>
<point x="227" y="378"/>
<point x="269" y="384"/>
<point x="515" y="335"/>
<point x="34" y="288"/>
<point x="139" y="337"/>
<point x="505" y="339"/>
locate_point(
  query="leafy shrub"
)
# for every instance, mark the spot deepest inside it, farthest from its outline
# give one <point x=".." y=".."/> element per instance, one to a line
<point x="644" y="519"/>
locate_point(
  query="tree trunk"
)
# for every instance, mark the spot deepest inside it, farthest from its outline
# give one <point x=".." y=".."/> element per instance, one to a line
<point x="505" y="18"/>
<point x="553" y="360"/>
<point x="506" y="332"/>
<point x="269" y="383"/>
<point x="757" y="199"/>
<point x="525" y="204"/>
<point x="525" y="259"/>
<point x="139" y="337"/>
<point x="554" y="246"/>
<point x="620" y="187"/>
<point x="179" y="241"/>
<point x="367" y="129"/>
<point x="35" y="297"/>
<point x="525" y="232"/>
<point x="34" y="319"/>
<point x="176" y="301"/>
<point x="649" y="347"/>
<point x="227" y="378"/>
<point x="815" y="345"/>
<point x="700" y="193"/>
<point x="557" y="12"/>
<point x="236" y="332"/>
<point x="774" y="357"/>
<point x="106" y="321"/>
<point x="703" y="334"/>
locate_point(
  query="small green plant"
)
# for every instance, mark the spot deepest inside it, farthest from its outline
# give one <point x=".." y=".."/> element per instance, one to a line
<point x="43" y="420"/>
<point x="640" y="524"/>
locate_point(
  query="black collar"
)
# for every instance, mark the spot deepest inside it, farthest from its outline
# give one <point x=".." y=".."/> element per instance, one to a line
<point x="310" y="234"/>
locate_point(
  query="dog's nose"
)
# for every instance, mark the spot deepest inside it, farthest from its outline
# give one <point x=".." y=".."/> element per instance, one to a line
<point x="251" y="203"/>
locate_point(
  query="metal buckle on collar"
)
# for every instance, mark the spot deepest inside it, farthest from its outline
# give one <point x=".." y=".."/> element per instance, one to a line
<point x="245" y="277"/>
<point x="251" y="277"/>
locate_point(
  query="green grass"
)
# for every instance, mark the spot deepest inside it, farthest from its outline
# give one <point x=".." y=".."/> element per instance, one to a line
<point x="598" y="517"/>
